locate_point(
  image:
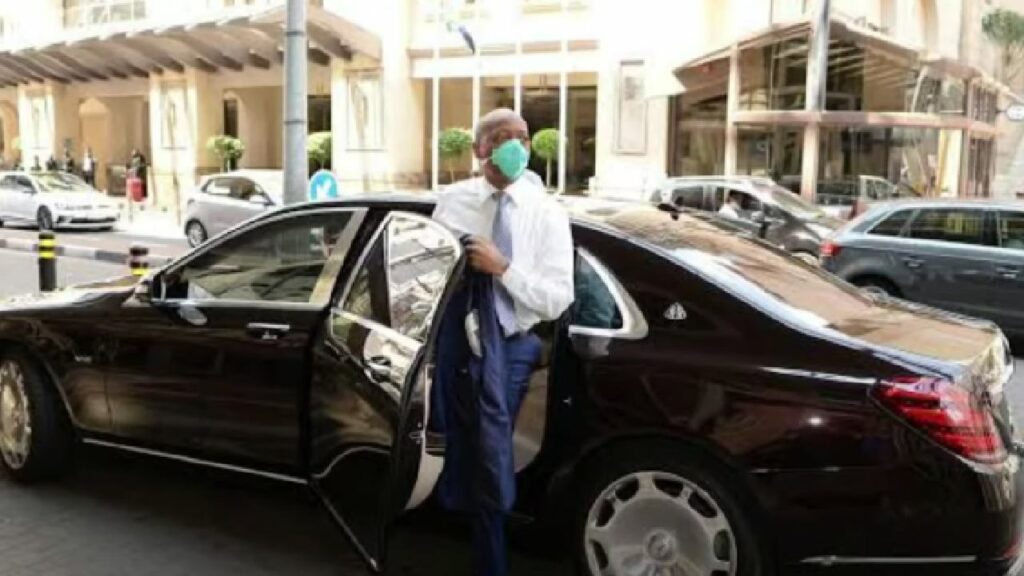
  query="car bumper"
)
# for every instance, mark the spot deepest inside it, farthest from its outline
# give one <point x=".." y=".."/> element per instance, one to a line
<point x="78" y="220"/>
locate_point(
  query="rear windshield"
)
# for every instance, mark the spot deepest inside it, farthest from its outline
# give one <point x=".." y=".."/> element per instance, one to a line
<point x="741" y="264"/>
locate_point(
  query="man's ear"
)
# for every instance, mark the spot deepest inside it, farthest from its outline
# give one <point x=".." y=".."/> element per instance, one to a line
<point x="478" y="150"/>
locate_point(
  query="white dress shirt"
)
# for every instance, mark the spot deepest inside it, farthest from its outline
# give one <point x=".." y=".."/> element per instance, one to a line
<point x="540" y="273"/>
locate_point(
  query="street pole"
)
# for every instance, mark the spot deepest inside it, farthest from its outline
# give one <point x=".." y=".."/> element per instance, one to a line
<point x="296" y="165"/>
<point x="816" y="89"/>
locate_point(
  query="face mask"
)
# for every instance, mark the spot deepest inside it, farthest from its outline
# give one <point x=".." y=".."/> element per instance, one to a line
<point x="511" y="158"/>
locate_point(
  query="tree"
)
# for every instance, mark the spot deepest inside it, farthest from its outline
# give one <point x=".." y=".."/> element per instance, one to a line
<point x="228" y="149"/>
<point x="452" y="144"/>
<point x="1005" y="29"/>
<point x="318" y="147"/>
<point x="545" y="146"/>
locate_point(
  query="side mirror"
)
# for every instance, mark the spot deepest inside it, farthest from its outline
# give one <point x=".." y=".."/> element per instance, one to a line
<point x="260" y="200"/>
<point x="144" y="291"/>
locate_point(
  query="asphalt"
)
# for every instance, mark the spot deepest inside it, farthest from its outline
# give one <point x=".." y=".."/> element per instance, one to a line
<point x="110" y="247"/>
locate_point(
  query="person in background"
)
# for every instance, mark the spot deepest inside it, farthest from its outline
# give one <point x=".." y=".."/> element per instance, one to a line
<point x="89" y="168"/>
<point x="68" y="165"/>
<point x="35" y="165"/>
<point x="138" y="168"/>
<point x="51" y="164"/>
<point x="731" y="208"/>
<point x="519" y="240"/>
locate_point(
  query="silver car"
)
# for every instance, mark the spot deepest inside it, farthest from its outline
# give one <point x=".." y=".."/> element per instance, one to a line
<point x="962" y="256"/>
<point x="54" y="200"/>
<point x="223" y="200"/>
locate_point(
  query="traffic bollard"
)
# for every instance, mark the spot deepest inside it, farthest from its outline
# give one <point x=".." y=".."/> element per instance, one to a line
<point x="47" y="249"/>
<point x="138" y="260"/>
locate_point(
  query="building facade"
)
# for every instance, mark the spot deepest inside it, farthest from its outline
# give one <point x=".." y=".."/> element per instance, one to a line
<point x="640" y="90"/>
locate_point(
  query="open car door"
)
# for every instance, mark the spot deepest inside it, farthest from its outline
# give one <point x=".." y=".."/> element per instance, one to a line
<point x="372" y="370"/>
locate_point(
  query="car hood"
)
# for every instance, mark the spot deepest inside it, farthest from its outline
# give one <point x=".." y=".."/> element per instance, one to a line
<point x="76" y="198"/>
<point x="81" y="295"/>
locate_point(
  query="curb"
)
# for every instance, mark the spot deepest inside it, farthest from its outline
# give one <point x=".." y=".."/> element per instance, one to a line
<point x="83" y="252"/>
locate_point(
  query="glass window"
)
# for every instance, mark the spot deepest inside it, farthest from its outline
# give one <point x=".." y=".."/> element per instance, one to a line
<point x="698" y="131"/>
<point x="689" y="197"/>
<point x="219" y="187"/>
<point x="950" y="225"/>
<point x="404" y="275"/>
<point x="1011" y="230"/>
<point x="242" y="188"/>
<point x="279" y="261"/>
<point x="893" y="224"/>
<point x="595" y="305"/>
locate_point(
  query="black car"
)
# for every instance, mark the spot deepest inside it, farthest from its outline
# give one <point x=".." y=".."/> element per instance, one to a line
<point x="766" y="209"/>
<point x="709" y="405"/>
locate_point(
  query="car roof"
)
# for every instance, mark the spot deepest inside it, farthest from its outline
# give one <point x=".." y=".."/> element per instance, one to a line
<point x="1009" y="204"/>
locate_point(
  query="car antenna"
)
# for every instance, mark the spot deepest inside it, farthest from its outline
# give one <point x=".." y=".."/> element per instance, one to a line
<point x="672" y="209"/>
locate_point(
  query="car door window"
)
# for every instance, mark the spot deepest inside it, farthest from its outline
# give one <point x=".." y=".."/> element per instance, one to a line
<point x="9" y="183"/>
<point x="402" y="276"/>
<point x="957" y="225"/>
<point x="893" y="224"/>
<point x="219" y="187"/>
<point x="242" y="189"/>
<point x="1011" y="230"/>
<point x="689" y="197"/>
<point x="24" y="185"/>
<point x="603" y="307"/>
<point x="277" y="261"/>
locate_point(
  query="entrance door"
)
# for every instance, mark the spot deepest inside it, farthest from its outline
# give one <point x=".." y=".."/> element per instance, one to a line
<point x="369" y="402"/>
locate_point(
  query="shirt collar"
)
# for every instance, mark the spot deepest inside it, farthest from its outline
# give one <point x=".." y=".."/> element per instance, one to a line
<point x="512" y="190"/>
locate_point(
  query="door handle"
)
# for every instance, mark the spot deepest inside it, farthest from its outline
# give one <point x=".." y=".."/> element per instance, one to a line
<point x="913" y="263"/>
<point x="379" y="369"/>
<point x="267" y="332"/>
<point x="1008" y="272"/>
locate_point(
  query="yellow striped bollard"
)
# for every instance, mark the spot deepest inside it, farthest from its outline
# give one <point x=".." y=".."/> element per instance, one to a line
<point x="47" y="248"/>
<point x="138" y="260"/>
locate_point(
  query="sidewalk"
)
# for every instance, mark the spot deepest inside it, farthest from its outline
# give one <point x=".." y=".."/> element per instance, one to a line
<point x="148" y="221"/>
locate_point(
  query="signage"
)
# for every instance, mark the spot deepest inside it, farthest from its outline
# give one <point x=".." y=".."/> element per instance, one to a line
<point x="323" y="186"/>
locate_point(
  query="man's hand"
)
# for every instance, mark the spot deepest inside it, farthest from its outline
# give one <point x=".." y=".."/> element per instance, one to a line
<point x="485" y="256"/>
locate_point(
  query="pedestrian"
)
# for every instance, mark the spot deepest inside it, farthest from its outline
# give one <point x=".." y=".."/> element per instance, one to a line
<point x="89" y="168"/>
<point x="68" y="164"/>
<point x="520" y="251"/>
<point x="51" y="164"/>
<point x="35" y="165"/>
<point x="137" y="167"/>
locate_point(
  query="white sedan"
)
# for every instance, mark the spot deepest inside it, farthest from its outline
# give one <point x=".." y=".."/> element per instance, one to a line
<point x="53" y="200"/>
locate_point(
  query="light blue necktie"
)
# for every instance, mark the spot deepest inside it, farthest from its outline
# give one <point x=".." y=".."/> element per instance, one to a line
<point x="501" y="234"/>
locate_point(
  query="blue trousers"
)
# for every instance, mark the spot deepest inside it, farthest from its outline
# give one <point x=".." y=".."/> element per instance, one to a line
<point x="490" y="552"/>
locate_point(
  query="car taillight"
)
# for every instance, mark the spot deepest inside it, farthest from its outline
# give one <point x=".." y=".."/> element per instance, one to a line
<point x="830" y="249"/>
<point x="946" y="413"/>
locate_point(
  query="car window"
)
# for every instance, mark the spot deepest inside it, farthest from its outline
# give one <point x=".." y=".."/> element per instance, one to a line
<point x="689" y="197"/>
<point x="242" y="188"/>
<point x="1011" y="230"/>
<point x="892" y="225"/>
<point x="959" y="225"/>
<point x="8" y="182"/>
<point x="24" y="184"/>
<point x="219" y="186"/>
<point x="279" y="261"/>
<point x="402" y="277"/>
<point x="595" y="305"/>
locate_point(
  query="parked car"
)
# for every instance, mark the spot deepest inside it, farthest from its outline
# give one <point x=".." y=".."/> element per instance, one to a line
<point x="224" y="200"/>
<point x="709" y="405"/>
<point x="963" y="256"/>
<point x="846" y="198"/>
<point x="790" y="221"/>
<point x="52" y="200"/>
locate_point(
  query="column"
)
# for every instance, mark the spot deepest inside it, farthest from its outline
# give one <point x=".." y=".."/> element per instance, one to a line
<point x="732" y="105"/>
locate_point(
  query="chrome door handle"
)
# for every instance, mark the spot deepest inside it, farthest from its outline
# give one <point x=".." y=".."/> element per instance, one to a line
<point x="267" y="332"/>
<point x="1008" y="272"/>
<point x="913" y="262"/>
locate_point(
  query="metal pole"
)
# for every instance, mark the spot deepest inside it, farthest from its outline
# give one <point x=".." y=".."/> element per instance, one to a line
<point x="563" y="104"/>
<point x="47" y="248"/>
<point x="435" y="101"/>
<point x="517" y="83"/>
<point x="296" y="165"/>
<point x="817" y="60"/>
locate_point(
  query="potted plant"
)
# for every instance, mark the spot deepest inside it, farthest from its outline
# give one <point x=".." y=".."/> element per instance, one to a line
<point x="228" y="149"/>
<point x="545" y="146"/>
<point x="452" y="144"/>
<point x="318" y="148"/>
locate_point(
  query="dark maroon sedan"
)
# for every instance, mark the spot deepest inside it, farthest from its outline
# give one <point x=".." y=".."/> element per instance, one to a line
<point x="709" y="406"/>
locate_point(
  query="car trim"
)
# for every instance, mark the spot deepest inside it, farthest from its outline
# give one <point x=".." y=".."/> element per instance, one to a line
<point x="634" y="325"/>
<point x="195" y="461"/>
<point x="827" y="561"/>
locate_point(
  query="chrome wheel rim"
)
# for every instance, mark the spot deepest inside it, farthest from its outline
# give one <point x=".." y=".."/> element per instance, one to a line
<point x="195" y="234"/>
<point x="875" y="291"/>
<point x="15" y="420"/>
<point x="658" y="524"/>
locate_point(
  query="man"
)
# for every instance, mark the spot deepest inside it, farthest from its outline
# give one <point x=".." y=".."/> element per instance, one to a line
<point x="732" y="208"/>
<point x="520" y="239"/>
<point x="89" y="167"/>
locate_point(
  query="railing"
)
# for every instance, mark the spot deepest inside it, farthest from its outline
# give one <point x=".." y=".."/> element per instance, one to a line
<point x="99" y="13"/>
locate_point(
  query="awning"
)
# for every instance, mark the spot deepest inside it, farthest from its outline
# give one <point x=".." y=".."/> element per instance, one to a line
<point x="240" y="40"/>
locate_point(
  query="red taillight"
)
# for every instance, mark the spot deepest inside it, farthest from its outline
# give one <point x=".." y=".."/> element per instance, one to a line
<point x="946" y="413"/>
<point x="829" y="249"/>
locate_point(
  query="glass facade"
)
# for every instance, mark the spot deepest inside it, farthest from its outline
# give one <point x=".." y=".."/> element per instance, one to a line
<point x="698" y="132"/>
<point x="772" y="151"/>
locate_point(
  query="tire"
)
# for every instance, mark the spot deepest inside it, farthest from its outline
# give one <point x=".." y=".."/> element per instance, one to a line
<point x="195" y="233"/>
<point x="632" y="511"/>
<point x="44" y="219"/>
<point x="876" y="285"/>
<point x="36" y="437"/>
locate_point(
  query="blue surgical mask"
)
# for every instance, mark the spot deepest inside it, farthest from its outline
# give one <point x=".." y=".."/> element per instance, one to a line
<point x="511" y="158"/>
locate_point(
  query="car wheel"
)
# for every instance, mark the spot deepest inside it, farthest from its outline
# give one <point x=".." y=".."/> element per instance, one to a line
<point x="195" y="233"/>
<point x="659" y="512"/>
<point x="876" y="286"/>
<point x="36" y="439"/>
<point x="44" y="219"/>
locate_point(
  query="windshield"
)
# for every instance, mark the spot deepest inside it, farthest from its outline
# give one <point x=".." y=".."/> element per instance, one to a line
<point x="792" y="203"/>
<point x="61" y="182"/>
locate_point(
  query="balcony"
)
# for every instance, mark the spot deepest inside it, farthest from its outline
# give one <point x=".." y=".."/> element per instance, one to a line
<point x="84" y="14"/>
